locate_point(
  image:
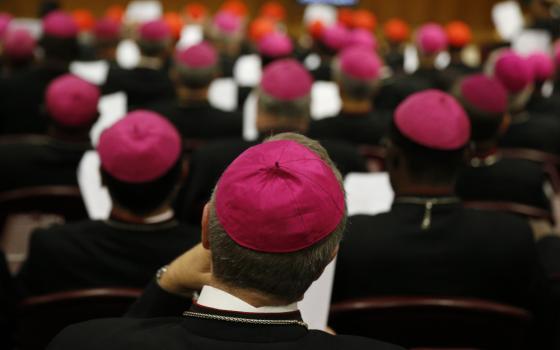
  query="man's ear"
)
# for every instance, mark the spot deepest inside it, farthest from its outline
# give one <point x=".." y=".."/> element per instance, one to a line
<point x="204" y="226"/>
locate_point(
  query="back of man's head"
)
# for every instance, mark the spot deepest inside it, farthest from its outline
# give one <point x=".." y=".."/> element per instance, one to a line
<point x="276" y="218"/>
<point x="60" y="37"/>
<point x="357" y="70"/>
<point x="429" y="134"/>
<point x="284" y="97"/>
<point x="141" y="162"/>
<point x="154" y="38"/>
<point x="196" y="66"/>
<point x="485" y="101"/>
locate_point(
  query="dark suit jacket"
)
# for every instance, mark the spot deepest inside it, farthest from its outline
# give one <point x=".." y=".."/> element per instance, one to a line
<point x="39" y="161"/>
<point x="92" y="254"/>
<point x="200" y="121"/>
<point x="187" y="333"/>
<point x="509" y="180"/>
<point x="465" y="252"/>
<point x="7" y="305"/>
<point x="358" y="128"/>
<point x="534" y="131"/>
<point x="210" y="161"/>
<point x="21" y="98"/>
<point x="142" y="86"/>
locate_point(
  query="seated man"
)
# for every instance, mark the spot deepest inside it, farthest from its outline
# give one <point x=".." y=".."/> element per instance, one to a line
<point x="149" y="81"/>
<point x="71" y="104"/>
<point x="428" y="243"/>
<point x="356" y="72"/>
<point x="22" y="95"/>
<point x="489" y="176"/>
<point x="194" y="70"/>
<point x="270" y="229"/>
<point x="283" y="105"/>
<point x="141" y="165"/>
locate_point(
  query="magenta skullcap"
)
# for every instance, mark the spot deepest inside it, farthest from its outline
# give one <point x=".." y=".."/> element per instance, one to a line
<point x="431" y="38"/>
<point x="335" y="37"/>
<point x="59" y="24"/>
<point x="360" y="63"/>
<point x="107" y="29"/>
<point x="227" y="22"/>
<point x="542" y="66"/>
<point x="156" y="30"/>
<point x="279" y="197"/>
<point x="484" y="93"/>
<point x="513" y="71"/>
<point x="19" y="44"/>
<point x="201" y="55"/>
<point x="434" y="120"/>
<point x="286" y="80"/>
<point x="71" y="101"/>
<point x="275" y="44"/>
<point x="362" y="37"/>
<point x="5" y="19"/>
<point x="141" y="147"/>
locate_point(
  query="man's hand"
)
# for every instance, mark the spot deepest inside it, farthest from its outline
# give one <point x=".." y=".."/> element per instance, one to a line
<point x="188" y="273"/>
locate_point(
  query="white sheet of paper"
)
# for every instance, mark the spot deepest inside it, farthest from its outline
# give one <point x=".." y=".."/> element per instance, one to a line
<point x="112" y="108"/>
<point x="531" y="40"/>
<point x="222" y="94"/>
<point x="128" y="54"/>
<point x="508" y="19"/>
<point x="190" y="35"/>
<point x="143" y="11"/>
<point x="250" y="132"/>
<point x="247" y="70"/>
<point x="324" y="13"/>
<point x="325" y="100"/>
<point x="96" y="197"/>
<point x="32" y="25"/>
<point x="368" y="194"/>
<point x="316" y="303"/>
<point x="95" y="72"/>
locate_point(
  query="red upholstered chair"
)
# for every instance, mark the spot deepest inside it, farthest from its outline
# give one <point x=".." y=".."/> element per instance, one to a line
<point x="25" y="209"/>
<point x="550" y="162"/>
<point x="41" y="318"/>
<point x="433" y="322"/>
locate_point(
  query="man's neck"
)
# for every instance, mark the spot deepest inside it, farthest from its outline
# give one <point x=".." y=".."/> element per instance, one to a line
<point x="124" y="215"/>
<point x="356" y="106"/>
<point x="251" y="297"/>
<point x="425" y="190"/>
<point x="188" y="96"/>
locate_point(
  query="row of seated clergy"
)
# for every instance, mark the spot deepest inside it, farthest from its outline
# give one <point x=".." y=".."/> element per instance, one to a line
<point x="282" y="106"/>
<point x="142" y="165"/>
<point x="428" y="243"/>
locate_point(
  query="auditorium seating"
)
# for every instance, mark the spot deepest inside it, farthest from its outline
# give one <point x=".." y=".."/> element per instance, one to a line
<point x="432" y="322"/>
<point x="25" y="209"/>
<point x="41" y="318"/>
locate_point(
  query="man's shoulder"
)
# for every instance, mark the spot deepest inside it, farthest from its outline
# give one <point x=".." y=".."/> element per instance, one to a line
<point x="349" y="342"/>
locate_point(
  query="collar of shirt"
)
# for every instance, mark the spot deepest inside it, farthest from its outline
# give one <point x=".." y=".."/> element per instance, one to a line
<point x="156" y="219"/>
<point x="218" y="299"/>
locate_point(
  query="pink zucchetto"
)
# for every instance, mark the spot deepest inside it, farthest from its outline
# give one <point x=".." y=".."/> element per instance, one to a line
<point x="513" y="71"/>
<point x="542" y="66"/>
<point x="279" y="197"/>
<point x="201" y="55"/>
<point x="140" y="148"/>
<point x="5" y="20"/>
<point x="484" y="93"/>
<point x="433" y="119"/>
<point x="363" y="38"/>
<point x="58" y="24"/>
<point x="286" y="80"/>
<point x="156" y="30"/>
<point x="227" y="22"/>
<point x="431" y="38"/>
<point x="359" y="63"/>
<point x="19" y="45"/>
<point x="275" y="45"/>
<point x="71" y="101"/>
<point x="107" y="29"/>
<point x="335" y="37"/>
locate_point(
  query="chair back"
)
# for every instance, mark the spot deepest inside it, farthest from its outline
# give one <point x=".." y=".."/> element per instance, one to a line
<point x="433" y="322"/>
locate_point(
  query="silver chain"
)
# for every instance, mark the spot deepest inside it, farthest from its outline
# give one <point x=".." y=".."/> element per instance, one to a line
<point x="244" y="320"/>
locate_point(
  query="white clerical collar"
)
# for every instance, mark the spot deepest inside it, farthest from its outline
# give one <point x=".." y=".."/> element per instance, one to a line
<point x="218" y="299"/>
<point x="156" y="219"/>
